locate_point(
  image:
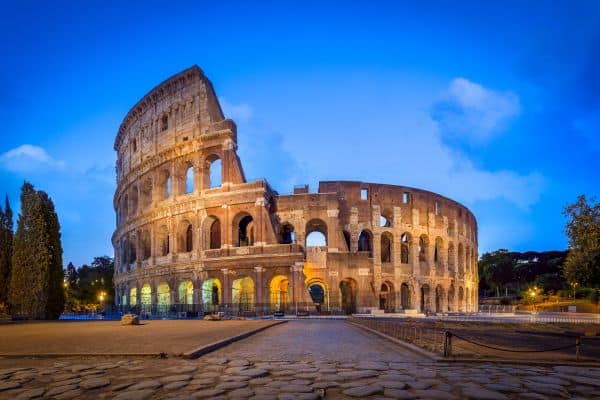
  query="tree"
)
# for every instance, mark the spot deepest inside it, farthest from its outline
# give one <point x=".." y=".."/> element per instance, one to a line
<point x="582" y="265"/>
<point x="36" y="282"/>
<point x="56" y="293"/>
<point x="497" y="268"/>
<point x="6" y="249"/>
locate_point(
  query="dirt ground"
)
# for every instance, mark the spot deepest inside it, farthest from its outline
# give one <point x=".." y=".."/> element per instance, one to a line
<point x="109" y="337"/>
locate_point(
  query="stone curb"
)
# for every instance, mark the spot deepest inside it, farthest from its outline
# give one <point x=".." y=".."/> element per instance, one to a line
<point x="458" y="360"/>
<point x="208" y="348"/>
<point x="66" y="355"/>
<point x="409" y="346"/>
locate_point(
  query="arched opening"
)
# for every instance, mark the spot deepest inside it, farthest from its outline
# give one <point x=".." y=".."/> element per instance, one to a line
<point x="451" y="295"/>
<point x="347" y="240"/>
<point x="189" y="179"/>
<point x="461" y="260"/>
<point x="451" y="259"/>
<point x="146" y="193"/>
<point x="213" y="171"/>
<point x="316" y="233"/>
<point x="134" y="200"/>
<point x="215" y="234"/>
<point x="133" y="296"/>
<point x="439" y="293"/>
<point x="162" y="240"/>
<point x="278" y="290"/>
<point x="211" y="294"/>
<point x="386" y="248"/>
<point x="386" y="297"/>
<point x="404" y="248"/>
<point x="405" y="296"/>
<point x="132" y="250"/>
<point x="461" y="299"/>
<point x="468" y="259"/>
<point x="186" y="292"/>
<point x="163" y="298"/>
<point x="318" y="295"/>
<point x="146" y="298"/>
<point x="425" y="301"/>
<point x="242" y="294"/>
<point x="384" y="221"/>
<point x="164" y="123"/>
<point x="246" y="231"/>
<point x="365" y="242"/>
<point x="165" y="184"/>
<point x="467" y="300"/>
<point x="186" y="237"/>
<point x="348" y="288"/>
<point x="437" y="248"/>
<point x="125" y="208"/>
<point x="423" y="243"/>
<point x="146" y="245"/>
<point x="287" y="234"/>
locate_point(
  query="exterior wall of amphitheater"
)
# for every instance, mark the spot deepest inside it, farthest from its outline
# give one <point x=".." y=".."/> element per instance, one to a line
<point x="184" y="242"/>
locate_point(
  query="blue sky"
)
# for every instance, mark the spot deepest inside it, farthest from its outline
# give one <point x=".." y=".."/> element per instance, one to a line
<point x="494" y="105"/>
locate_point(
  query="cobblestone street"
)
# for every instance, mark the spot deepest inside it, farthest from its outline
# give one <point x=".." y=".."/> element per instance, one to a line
<point x="297" y="360"/>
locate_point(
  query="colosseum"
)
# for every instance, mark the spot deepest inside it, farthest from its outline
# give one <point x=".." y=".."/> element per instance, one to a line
<point x="193" y="236"/>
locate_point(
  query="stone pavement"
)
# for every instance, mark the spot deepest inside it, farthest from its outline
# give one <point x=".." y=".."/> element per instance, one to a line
<point x="297" y="360"/>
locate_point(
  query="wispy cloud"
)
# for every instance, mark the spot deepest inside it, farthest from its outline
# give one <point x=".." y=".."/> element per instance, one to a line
<point x="28" y="158"/>
<point x="473" y="113"/>
<point x="238" y="112"/>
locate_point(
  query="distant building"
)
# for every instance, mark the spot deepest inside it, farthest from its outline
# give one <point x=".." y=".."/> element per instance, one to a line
<point x="193" y="235"/>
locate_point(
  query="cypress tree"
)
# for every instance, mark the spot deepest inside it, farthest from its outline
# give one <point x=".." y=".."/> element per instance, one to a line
<point x="28" y="291"/>
<point x="56" y="292"/>
<point x="6" y="245"/>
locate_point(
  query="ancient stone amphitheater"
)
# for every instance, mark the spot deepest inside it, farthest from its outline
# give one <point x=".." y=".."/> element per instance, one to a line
<point x="194" y="236"/>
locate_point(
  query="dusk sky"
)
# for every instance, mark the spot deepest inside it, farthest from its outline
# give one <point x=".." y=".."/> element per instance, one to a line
<point x="494" y="105"/>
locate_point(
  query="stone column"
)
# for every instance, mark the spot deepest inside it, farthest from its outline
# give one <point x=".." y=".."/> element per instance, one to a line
<point x="226" y="288"/>
<point x="297" y="285"/>
<point x="259" y="301"/>
<point x="259" y="230"/>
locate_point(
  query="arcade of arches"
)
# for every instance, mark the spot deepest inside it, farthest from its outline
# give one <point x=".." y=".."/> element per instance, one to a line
<point x="193" y="235"/>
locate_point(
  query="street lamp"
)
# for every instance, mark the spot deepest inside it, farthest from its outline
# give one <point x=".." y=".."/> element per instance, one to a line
<point x="532" y="293"/>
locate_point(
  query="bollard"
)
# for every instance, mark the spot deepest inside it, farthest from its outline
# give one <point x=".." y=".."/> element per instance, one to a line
<point x="577" y="345"/>
<point x="447" y="344"/>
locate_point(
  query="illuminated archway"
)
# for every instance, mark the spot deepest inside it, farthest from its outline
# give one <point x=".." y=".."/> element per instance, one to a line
<point x="146" y="298"/>
<point x="186" y="292"/>
<point x="211" y="294"/>
<point x="163" y="297"/>
<point x="133" y="296"/>
<point x="242" y="294"/>
<point x="278" y="293"/>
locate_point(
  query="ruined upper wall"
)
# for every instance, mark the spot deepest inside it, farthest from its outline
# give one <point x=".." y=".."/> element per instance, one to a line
<point x="179" y="109"/>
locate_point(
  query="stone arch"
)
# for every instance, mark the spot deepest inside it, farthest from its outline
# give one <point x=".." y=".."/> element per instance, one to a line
<point x="461" y="260"/>
<point x="125" y="208"/>
<point x="146" y="193"/>
<point x="405" y="242"/>
<point x="387" y="299"/>
<point x="365" y="242"/>
<point x="133" y="297"/>
<point x="163" y="297"/>
<point x="461" y="299"/>
<point x="439" y="299"/>
<point x="438" y="247"/>
<point x="134" y="200"/>
<point x="423" y="246"/>
<point x="243" y="229"/>
<point x="425" y="298"/>
<point x="211" y="233"/>
<point x="316" y="233"/>
<point x="279" y="293"/>
<point x="185" y="237"/>
<point x="213" y="172"/>
<point x="146" y="298"/>
<point x="165" y="184"/>
<point x="348" y="291"/>
<point x="189" y="176"/>
<point x="212" y="294"/>
<point x="451" y="295"/>
<point x="287" y="234"/>
<point x="451" y="259"/>
<point x="242" y="294"/>
<point x="405" y="296"/>
<point x="319" y="294"/>
<point x="162" y="241"/>
<point x="467" y="300"/>
<point x="146" y="242"/>
<point x="387" y="241"/>
<point x="186" y="292"/>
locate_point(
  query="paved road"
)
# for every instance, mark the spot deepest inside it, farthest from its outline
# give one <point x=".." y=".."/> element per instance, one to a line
<point x="313" y="340"/>
<point x="308" y="360"/>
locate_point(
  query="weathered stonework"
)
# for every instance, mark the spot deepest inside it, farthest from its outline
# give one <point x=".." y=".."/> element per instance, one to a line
<point x="184" y="244"/>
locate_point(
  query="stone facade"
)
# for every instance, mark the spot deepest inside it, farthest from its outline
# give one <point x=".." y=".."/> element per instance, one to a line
<point x="184" y="242"/>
